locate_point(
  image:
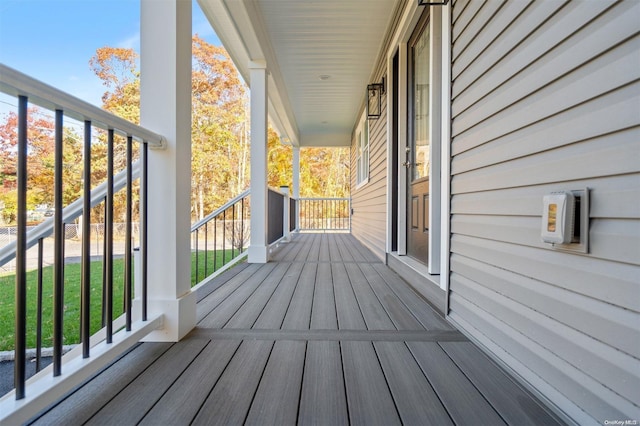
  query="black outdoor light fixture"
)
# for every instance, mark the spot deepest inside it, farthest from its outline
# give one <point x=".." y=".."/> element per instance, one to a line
<point x="432" y="2"/>
<point x="374" y="99"/>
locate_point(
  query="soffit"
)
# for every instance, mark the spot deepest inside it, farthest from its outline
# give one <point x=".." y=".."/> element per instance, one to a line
<point x="302" y="40"/>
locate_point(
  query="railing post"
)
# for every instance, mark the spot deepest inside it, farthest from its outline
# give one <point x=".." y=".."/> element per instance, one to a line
<point x="165" y="107"/>
<point x="296" y="184"/>
<point x="258" y="247"/>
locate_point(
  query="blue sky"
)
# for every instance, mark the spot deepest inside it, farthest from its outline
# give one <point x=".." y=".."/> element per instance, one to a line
<point x="53" y="40"/>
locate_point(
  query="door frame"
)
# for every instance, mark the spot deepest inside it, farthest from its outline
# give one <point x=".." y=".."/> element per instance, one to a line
<point x="440" y="131"/>
<point x="418" y="208"/>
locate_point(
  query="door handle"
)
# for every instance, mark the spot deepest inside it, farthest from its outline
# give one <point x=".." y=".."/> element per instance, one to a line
<point x="407" y="164"/>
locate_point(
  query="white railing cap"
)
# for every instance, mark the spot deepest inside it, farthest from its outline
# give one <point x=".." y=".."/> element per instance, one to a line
<point x="15" y="83"/>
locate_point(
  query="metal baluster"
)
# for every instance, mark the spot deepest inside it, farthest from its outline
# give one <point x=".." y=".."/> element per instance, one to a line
<point x="85" y="305"/>
<point x="58" y="241"/>
<point x="104" y="262"/>
<point x="127" y="243"/>
<point x="143" y="188"/>
<point x="39" y="306"/>
<point x="242" y="234"/>
<point x="21" y="252"/>
<point x="233" y="230"/>
<point x="108" y="255"/>
<point x="224" y="237"/>
<point x="196" y="237"/>
<point x="206" y="249"/>
<point x="215" y="242"/>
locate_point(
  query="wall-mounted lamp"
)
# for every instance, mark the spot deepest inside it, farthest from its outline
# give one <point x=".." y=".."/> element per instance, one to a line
<point x="432" y="2"/>
<point x="374" y="99"/>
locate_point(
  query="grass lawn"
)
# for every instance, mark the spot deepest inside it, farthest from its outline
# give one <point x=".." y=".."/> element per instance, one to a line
<point x="212" y="259"/>
<point x="71" y="318"/>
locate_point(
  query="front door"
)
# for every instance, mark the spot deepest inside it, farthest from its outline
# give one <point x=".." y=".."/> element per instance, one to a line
<point x="417" y="150"/>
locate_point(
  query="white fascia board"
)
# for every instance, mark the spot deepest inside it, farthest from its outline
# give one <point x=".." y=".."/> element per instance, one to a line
<point x="240" y="28"/>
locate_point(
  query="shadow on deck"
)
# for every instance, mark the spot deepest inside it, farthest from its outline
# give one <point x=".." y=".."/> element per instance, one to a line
<point x="323" y="334"/>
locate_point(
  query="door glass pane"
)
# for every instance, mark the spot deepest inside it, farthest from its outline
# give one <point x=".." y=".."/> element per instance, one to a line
<point x="421" y="105"/>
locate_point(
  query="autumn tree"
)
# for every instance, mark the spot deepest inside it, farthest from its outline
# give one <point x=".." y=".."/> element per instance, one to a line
<point x="220" y="148"/>
<point x="40" y="162"/>
<point x="117" y="67"/>
<point x="220" y="131"/>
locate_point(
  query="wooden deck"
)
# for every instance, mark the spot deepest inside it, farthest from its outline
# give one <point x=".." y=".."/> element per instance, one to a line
<point x="324" y="334"/>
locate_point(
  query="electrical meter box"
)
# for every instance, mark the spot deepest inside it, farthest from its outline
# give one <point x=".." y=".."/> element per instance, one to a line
<point x="558" y="218"/>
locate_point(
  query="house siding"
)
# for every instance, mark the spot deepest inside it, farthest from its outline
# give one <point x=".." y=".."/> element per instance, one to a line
<point x="545" y="97"/>
<point x="369" y="200"/>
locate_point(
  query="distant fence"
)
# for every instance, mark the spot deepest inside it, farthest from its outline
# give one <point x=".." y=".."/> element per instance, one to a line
<point x="325" y="214"/>
<point x="73" y="243"/>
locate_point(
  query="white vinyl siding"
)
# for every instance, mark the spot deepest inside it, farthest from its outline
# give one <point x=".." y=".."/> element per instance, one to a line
<point x="545" y="98"/>
<point x="369" y="201"/>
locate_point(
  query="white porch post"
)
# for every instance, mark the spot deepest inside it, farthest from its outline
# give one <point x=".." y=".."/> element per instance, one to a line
<point x="296" y="182"/>
<point x="258" y="246"/>
<point x="165" y="107"/>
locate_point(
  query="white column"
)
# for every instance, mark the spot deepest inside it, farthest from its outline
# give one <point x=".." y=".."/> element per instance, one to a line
<point x="258" y="246"/>
<point x="165" y="107"/>
<point x="296" y="183"/>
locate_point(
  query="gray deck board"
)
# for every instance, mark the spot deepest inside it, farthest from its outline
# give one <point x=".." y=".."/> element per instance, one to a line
<point x="273" y="314"/>
<point x="224" y="311"/>
<point x="230" y="399"/>
<point x="286" y="252"/>
<point x="220" y="280"/>
<point x="325" y="252"/>
<point x="334" y="253"/>
<point x="323" y="335"/>
<point x="251" y="309"/>
<point x="465" y="404"/>
<point x="429" y="318"/>
<point x="345" y="249"/>
<point x="513" y="404"/>
<point x="322" y="400"/>
<point x="299" y="313"/>
<point x="303" y="248"/>
<point x="348" y="311"/>
<point x="212" y="300"/>
<point x="277" y="398"/>
<point x="393" y="306"/>
<point x="314" y="251"/>
<point x="375" y="317"/>
<point x="176" y="405"/>
<point x="414" y="397"/>
<point x="323" y="313"/>
<point x="369" y="398"/>
<point x="130" y="405"/>
<point x="81" y="406"/>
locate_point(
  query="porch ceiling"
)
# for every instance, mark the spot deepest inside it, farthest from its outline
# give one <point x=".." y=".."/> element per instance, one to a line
<point x="302" y="41"/>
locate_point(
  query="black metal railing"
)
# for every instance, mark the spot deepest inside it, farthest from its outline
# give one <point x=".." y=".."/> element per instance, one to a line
<point x="324" y="214"/>
<point x="293" y="214"/>
<point x="116" y="132"/>
<point x="275" y="227"/>
<point x="220" y="239"/>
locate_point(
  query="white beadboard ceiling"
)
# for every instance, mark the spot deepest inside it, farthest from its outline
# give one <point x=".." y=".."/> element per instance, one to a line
<point x="302" y="40"/>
